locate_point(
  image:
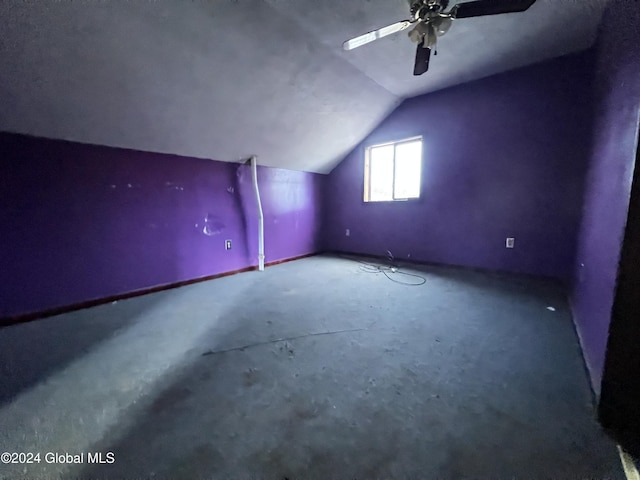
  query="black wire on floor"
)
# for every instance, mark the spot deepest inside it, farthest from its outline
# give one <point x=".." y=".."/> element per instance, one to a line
<point x="386" y="270"/>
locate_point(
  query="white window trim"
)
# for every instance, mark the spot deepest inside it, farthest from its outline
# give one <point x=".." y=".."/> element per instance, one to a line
<point x="367" y="169"/>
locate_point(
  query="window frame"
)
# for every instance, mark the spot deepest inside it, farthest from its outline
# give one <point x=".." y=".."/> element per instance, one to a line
<point x="367" y="170"/>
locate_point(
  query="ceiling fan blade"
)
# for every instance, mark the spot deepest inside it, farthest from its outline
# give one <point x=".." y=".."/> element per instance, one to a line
<point x="422" y="60"/>
<point x="376" y="34"/>
<point x="480" y="8"/>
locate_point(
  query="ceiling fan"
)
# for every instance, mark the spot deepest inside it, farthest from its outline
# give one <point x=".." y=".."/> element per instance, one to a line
<point x="432" y="21"/>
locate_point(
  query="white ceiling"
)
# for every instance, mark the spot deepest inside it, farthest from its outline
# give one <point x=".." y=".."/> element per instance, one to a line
<point x="230" y="78"/>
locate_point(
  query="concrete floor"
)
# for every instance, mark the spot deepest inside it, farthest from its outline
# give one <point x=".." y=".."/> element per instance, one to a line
<point x="467" y="376"/>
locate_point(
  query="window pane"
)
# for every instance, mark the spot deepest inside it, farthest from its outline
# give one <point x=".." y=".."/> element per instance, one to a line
<point x="381" y="173"/>
<point x="408" y="166"/>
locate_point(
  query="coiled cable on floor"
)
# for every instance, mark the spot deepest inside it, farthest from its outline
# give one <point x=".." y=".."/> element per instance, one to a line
<point x="386" y="270"/>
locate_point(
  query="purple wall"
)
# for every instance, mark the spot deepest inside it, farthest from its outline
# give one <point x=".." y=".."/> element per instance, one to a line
<point x="81" y="222"/>
<point x="609" y="179"/>
<point x="503" y="156"/>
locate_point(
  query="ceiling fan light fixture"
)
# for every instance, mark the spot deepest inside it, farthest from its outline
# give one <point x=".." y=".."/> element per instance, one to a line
<point x="418" y="33"/>
<point x="415" y="36"/>
<point x="430" y="38"/>
<point x="424" y="33"/>
<point x="441" y="25"/>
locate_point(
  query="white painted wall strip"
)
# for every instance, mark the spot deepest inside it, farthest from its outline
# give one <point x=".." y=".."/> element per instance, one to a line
<point x="254" y="171"/>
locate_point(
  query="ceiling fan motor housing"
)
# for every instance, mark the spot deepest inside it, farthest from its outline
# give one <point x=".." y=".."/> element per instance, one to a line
<point x="422" y="8"/>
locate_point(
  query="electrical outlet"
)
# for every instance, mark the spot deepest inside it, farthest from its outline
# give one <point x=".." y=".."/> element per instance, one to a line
<point x="511" y="242"/>
<point x="347" y="232"/>
<point x="227" y="244"/>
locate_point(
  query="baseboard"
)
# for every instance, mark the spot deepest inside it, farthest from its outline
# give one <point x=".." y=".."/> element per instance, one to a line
<point x="31" y="316"/>
<point x="595" y="389"/>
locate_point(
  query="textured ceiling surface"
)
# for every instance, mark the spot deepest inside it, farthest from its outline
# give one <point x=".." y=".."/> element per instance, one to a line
<point x="228" y="79"/>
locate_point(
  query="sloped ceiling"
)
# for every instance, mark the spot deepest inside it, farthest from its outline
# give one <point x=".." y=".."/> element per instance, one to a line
<point x="227" y="79"/>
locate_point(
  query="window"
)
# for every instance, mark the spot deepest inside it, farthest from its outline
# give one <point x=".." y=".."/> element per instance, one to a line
<point x="392" y="171"/>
